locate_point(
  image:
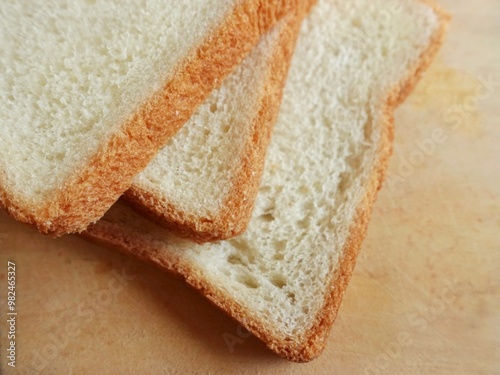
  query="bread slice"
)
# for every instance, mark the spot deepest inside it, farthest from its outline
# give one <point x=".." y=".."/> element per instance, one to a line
<point x="284" y="278"/>
<point x="202" y="185"/>
<point x="90" y="91"/>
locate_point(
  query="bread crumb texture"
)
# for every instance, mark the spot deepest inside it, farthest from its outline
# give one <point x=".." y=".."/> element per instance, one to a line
<point x="75" y="71"/>
<point x="284" y="277"/>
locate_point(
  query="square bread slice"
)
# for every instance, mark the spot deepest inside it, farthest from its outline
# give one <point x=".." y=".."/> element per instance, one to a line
<point x="90" y="90"/>
<point x="202" y="184"/>
<point x="284" y="278"/>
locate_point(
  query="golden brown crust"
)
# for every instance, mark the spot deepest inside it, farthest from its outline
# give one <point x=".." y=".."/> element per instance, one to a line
<point x="86" y="196"/>
<point x="233" y="216"/>
<point x="301" y="349"/>
<point x="323" y="322"/>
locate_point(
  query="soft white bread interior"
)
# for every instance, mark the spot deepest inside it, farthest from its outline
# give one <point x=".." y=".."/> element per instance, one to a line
<point x="284" y="278"/>
<point x="203" y="183"/>
<point x="90" y="90"/>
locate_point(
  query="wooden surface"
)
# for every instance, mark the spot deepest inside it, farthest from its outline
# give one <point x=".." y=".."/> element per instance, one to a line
<point x="424" y="297"/>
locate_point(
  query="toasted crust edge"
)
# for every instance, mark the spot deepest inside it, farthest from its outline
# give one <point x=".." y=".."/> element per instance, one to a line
<point x="307" y="347"/>
<point x="89" y="193"/>
<point x="233" y="216"/>
<point x="316" y="341"/>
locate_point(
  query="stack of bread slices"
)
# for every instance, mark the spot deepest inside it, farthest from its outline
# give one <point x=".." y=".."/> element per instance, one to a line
<point x="239" y="144"/>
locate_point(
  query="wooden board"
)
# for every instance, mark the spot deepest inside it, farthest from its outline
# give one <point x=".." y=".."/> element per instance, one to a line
<point x="424" y="298"/>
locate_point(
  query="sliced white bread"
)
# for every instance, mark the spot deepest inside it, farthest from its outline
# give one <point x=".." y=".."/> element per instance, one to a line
<point x="90" y="90"/>
<point x="284" y="278"/>
<point x="202" y="184"/>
